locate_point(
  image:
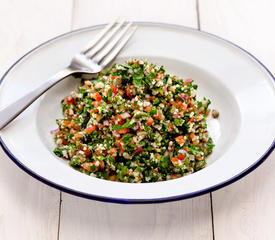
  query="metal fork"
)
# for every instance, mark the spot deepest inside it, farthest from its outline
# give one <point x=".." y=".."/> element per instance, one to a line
<point x="91" y="60"/>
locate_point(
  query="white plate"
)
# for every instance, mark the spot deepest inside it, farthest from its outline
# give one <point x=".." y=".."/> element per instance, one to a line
<point x="239" y="86"/>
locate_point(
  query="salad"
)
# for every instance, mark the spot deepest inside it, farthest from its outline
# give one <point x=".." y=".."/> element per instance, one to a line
<point x="135" y="123"/>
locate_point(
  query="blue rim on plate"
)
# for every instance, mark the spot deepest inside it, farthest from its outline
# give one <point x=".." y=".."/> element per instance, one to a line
<point x="139" y="201"/>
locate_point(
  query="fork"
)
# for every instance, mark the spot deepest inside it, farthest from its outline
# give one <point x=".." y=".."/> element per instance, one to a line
<point x="91" y="60"/>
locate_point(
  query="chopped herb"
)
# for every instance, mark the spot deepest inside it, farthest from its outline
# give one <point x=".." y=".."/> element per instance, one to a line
<point x="110" y="94"/>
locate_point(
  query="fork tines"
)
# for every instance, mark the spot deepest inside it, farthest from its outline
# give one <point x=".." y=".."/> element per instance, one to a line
<point x="108" y="43"/>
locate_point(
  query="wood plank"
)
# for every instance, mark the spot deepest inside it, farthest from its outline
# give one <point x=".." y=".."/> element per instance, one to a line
<point x="87" y="219"/>
<point x="245" y="209"/>
<point x="87" y="13"/>
<point x="25" y="24"/>
<point x="246" y="23"/>
<point x="28" y="208"/>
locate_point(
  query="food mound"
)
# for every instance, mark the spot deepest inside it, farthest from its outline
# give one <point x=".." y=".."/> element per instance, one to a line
<point x="134" y="123"/>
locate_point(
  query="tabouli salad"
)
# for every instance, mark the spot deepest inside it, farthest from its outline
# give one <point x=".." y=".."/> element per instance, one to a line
<point x="135" y="123"/>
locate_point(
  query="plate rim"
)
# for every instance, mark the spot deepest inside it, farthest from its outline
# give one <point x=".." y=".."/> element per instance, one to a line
<point x="138" y="201"/>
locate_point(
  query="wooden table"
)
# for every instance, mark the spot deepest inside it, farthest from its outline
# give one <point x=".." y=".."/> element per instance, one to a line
<point x="32" y="210"/>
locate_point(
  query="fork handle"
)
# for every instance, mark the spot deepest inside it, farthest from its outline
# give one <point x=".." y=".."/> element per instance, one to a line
<point x="10" y="112"/>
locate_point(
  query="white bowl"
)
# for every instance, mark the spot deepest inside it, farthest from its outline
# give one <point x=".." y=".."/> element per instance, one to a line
<point x="239" y="86"/>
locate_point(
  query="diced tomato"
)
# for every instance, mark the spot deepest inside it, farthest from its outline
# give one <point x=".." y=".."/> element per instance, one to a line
<point x="191" y="120"/>
<point x="181" y="105"/>
<point x="152" y="98"/>
<point x="137" y="62"/>
<point x="184" y="106"/>
<point x="66" y="123"/>
<point x="118" y="143"/>
<point x="84" y="149"/>
<point x="113" y="151"/>
<point x="174" y="176"/>
<point x="90" y="129"/>
<point x="73" y="152"/>
<point x="113" y="177"/>
<point x="87" y="152"/>
<point x="157" y="116"/>
<point x="97" y="97"/>
<point x="188" y="80"/>
<point x="104" y="152"/>
<point x="191" y="136"/>
<point x="78" y="135"/>
<point x="95" y="103"/>
<point x="150" y="121"/>
<point x="180" y="139"/>
<point x="112" y="77"/>
<point x="98" y="117"/>
<point x="148" y="109"/>
<point x="121" y="149"/>
<point x="121" y="122"/>
<point x="97" y="152"/>
<point x="199" y="158"/>
<point x="64" y="142"/>
<point x="137" y="150"/>
<point x="123" y="130"/>
<point x="118" y="118"/>
<point x="114" y="89"/>
<point x="174" y="160"/>
<point x="88" y="83"/>
<point x="150" y="68"/>
<point x="75" y="126"/>
<point x="128" y="91"/>
<point x="87" y="166"/>
<point x="70" y="100"/>
<point x="129" y="95"/>
<point x="199" y="118"/>
<point x="181" y="156"/>
<point x="58" y="133"/>
<point x="121" y="92"/>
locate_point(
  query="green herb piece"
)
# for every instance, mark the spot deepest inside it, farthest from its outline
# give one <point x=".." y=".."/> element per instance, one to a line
<point x="138" y="79"/>
<point x="110" y="94"/>
<point x="178" y="122"/>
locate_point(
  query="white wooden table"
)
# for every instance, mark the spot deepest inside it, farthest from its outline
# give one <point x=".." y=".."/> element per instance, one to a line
<point x="32" y="210"/>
